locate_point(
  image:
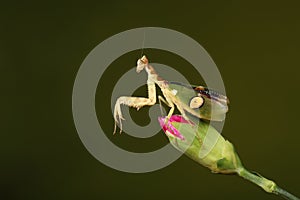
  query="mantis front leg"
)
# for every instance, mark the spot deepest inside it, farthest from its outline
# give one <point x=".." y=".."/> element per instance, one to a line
<point x="136" y="102"/>
<point x="170" y="104"/>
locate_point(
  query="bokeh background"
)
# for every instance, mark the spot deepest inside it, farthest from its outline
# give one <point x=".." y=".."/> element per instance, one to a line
<point x="255" y="45"/>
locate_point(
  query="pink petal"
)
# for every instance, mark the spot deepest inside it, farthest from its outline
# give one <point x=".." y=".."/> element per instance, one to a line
<point x="178" y="118"/>
<point x="169" y="127"/>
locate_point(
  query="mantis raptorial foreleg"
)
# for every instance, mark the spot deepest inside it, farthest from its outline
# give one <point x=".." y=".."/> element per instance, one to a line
<point x="136" y="102"/>
<point x="170" y="104"/>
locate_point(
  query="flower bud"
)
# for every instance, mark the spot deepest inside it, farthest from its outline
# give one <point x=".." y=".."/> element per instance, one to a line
<point x="190" y="138"/>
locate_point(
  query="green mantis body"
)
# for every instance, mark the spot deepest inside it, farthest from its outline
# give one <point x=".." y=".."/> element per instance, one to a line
<point x="197" y="101"/>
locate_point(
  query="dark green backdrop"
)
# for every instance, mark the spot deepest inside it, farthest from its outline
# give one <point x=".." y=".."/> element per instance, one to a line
<point x="254" y="44"/>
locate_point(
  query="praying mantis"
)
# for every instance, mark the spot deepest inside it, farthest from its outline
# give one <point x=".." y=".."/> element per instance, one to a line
<point x="197" y="101"/>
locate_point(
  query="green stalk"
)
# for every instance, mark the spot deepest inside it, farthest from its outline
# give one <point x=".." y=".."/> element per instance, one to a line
<point x="268" y="185"/>
<point x="285" y="194"/>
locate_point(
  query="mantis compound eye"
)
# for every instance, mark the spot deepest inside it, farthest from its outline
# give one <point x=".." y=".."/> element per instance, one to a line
<point x="196" y="102"/>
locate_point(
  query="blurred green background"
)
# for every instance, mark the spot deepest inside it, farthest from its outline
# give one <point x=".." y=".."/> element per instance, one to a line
<point x="255" y="45"/>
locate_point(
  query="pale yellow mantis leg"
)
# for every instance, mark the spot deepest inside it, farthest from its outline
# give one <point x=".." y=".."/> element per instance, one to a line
<point x="136" y="102"/>
<point x="172" y="106"/>
<point x="168" y="103"/>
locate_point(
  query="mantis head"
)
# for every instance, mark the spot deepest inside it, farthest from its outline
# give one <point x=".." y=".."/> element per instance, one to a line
<point x="141" y="64"/>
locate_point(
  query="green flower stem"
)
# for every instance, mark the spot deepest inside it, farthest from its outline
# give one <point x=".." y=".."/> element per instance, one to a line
<point x="267" y="185"/>
<point x="284" y="193"/>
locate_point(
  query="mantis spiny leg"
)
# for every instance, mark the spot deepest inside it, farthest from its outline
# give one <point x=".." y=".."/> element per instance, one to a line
<point x="136" y="102"/>
<point x="170" y="104"/>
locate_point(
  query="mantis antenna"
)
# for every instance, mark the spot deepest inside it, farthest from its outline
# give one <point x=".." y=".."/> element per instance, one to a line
<point x="143" y="44"/>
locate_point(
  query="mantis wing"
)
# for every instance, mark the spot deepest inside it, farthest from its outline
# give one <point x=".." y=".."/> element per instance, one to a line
<point x="208" y="103"/>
